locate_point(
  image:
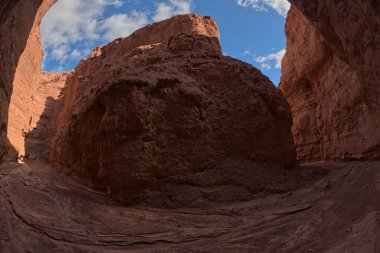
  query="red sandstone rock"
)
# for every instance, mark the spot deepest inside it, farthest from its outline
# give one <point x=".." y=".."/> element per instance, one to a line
<point x="31" y="110"/>
<point x="43" y="211"/>
<point x="331" y="78"/>
<point x="20" y="57"/>
<point x="134" y="117"/>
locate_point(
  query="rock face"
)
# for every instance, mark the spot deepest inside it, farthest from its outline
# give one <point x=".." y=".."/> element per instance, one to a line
<point x="31" y="111"/>
<point x="165" y="102"/>
<point x="21" y="56"/>
<point x="42" y="109"/>
<point x="331" y="78"/>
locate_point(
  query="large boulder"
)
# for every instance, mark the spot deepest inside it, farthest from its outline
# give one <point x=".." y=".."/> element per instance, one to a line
<point x="331" y="78"/>
<point x="169" y="105"/>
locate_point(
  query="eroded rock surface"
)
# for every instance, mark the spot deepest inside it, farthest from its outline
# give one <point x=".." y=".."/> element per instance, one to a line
<point x="44" y="211"/>
<point x="132" y="118"/>
<point x="163" y="114"/>
<point x="30" y="115"/>
<point x="331" y="78"/>
<point x="15" y="29"/>
<point x="21" y="57"/>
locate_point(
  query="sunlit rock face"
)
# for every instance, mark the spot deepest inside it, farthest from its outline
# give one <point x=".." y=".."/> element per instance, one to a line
<point x="331" y="78"/>
<point x="21" y="57"/>
<point x="166" y="102"/>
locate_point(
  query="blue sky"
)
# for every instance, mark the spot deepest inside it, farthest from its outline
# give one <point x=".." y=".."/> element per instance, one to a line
<point x="251" y="30"/>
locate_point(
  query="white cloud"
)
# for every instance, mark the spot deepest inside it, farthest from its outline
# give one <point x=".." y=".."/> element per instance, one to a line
<point x="256" y="4"/>
<point x="75" y="54"/>
<point x="274" y="58"/>
<point x="73" y="27"/>
<point x="116" y="3"/>
<point x="59" y="53"/>
<point x="246" y="53"/>
<point x="265" y="66"/>
<point x="173" y="7"/>
<point x="70" y="21"/>
<point x="281" y="6"/>
<point x="123" y="25"/>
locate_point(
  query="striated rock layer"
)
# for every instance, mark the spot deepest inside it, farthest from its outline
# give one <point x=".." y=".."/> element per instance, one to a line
<point x="331" y="78"/>
<point x="170" y="105"/>
<point x="21" y="57"/>
<point x="45" y="211"/>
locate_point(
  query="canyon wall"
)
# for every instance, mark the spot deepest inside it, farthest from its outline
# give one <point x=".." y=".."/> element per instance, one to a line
<point x="21" y="57"/>
<point x="16" y="21"/>
<point x="172" y="105"/>
<point x="331" y="78"/>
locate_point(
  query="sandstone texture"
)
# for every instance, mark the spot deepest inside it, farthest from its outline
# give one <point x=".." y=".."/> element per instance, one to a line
<point x="169" y="105"/>
<point x="17" y="18"/>
<point x="200" y="139"/>
<point x="43" y="210"/>
<point x="30" y="114"/>
<point x="42" y="110"/>
<point x="331" y="78"/>
<point x="21" y="57"/>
